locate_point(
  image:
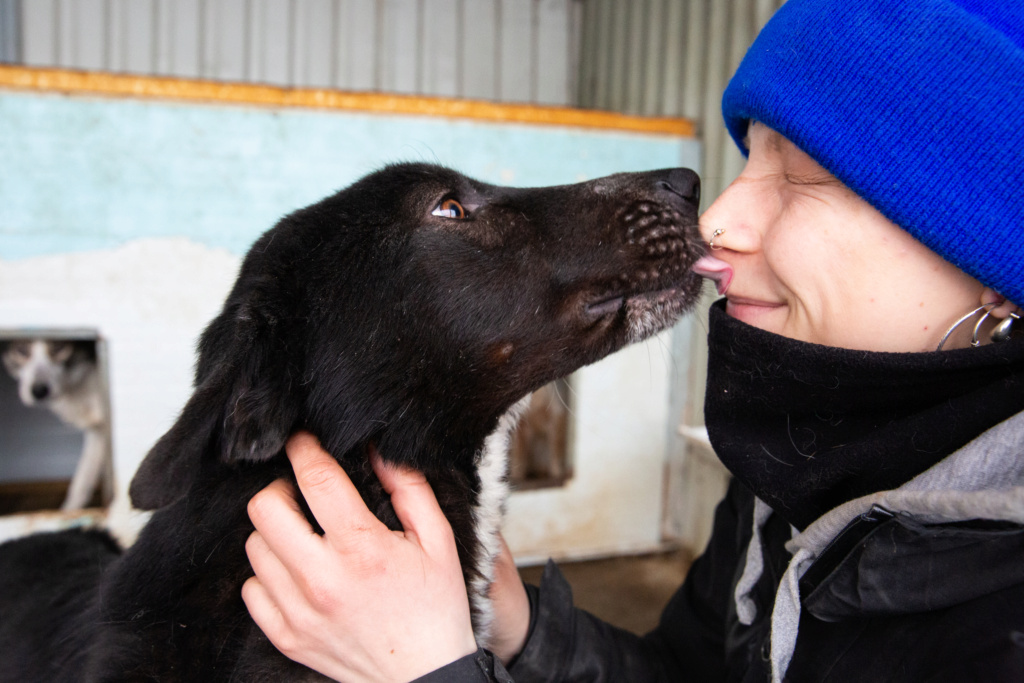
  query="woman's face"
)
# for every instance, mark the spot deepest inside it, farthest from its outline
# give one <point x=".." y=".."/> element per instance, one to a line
<point x="813" y="261"/>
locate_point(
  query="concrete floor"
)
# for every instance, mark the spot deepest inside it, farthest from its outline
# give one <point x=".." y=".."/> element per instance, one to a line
<point x="629" y="592"/>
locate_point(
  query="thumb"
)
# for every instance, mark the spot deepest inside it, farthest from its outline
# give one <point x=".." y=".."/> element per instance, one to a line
<point x="414" y="502"/>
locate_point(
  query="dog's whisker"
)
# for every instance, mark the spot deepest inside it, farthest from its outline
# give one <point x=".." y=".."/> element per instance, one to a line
<point x="407" y="406"/>
<point x="214" y="548"/>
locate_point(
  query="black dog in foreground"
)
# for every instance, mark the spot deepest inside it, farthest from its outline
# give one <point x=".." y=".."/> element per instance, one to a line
<point x="413" y="311"/>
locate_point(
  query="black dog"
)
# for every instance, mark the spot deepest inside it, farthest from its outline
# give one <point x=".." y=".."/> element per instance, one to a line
<point x="412" y="310"/>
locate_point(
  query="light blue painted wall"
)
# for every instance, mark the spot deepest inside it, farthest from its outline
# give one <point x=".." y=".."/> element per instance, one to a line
<point x="82" y="173"/>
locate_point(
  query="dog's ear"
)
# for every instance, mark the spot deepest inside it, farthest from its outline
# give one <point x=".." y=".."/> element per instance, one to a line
<point x="167" y="471"/>
<point x="243" y="407"/>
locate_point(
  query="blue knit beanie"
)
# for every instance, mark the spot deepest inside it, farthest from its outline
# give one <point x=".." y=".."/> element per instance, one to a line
<point x="916" y="105"/>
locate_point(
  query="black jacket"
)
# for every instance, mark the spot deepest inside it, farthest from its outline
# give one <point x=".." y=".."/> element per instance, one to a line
<point x="891" y="599"/>
<point x="909" y="563"/>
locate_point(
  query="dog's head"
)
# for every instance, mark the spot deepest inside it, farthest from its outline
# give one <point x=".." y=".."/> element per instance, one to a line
<point x="47" y="368"/>
<point x="414" y="307"/>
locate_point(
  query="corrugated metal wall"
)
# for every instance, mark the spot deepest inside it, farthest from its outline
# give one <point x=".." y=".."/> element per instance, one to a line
<point x="10" y="35"/>
<point x="670" y="58"/>
<point x="655" y="57"/>
<point x="507" y="50"/>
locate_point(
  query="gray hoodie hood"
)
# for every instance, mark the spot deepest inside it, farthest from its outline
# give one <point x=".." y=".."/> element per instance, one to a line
<point x="904" y="550"/>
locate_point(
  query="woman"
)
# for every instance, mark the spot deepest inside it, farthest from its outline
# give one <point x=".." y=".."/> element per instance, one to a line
<point x="874" y="529"/>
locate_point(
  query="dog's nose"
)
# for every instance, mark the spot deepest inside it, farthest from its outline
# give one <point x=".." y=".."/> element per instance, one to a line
<point x="40" y="391"/>
<point x="683" y="183"/>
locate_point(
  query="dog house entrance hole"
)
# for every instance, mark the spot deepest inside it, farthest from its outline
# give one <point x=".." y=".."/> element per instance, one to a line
<point x="539" y="454"/>
<point x="54" y="421"/>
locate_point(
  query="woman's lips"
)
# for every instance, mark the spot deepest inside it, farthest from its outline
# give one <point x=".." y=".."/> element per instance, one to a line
<point x="749" y="310"/>
<point x="739" y="307"/>
<point x="714" y="269"/>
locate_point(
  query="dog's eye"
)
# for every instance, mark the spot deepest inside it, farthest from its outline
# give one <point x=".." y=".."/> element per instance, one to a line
<point x="449" y="208"/>
<point x="60" y="351"/>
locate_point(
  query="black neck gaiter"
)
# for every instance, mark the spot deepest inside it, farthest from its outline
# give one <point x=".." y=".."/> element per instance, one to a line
<point x="808" y="427"/>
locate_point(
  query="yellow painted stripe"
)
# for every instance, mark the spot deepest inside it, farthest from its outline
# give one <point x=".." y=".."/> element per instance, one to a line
<point x="108" y="84"/>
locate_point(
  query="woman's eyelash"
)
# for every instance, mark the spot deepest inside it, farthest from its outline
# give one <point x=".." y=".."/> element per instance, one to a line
<point x="795" y="179"/>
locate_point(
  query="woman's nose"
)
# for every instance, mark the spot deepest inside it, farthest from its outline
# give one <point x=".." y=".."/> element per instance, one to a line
<point x="732" y="222"/>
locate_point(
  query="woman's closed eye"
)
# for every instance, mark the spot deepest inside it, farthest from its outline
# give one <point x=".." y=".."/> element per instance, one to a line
<point x="820" y="178"/>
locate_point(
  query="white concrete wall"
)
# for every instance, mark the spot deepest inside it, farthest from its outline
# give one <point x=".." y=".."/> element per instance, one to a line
<point x="149" y="298"/>
<point x="620" y="428"/>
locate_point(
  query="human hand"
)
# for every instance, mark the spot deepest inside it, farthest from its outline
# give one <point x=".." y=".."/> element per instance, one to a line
<point x="511" y="608"/>
<point x="361" y="602"/>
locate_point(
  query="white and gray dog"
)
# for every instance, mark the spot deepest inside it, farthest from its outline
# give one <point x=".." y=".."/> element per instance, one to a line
<point x="62" y="375"/>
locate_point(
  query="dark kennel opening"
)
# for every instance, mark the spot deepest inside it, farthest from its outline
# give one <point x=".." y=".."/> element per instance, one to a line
<point x="539" y="453"/>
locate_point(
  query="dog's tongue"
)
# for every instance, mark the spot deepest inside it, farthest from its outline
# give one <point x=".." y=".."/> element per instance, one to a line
<point x="714" y="269"/>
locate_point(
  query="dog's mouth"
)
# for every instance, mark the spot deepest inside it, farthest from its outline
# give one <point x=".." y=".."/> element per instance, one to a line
<point x="645" y="312"/>
<point x="656" y="249"/>
<point x="652" y="300"/>
<point x="675" y="278"/>
<point x="608" y="305"/>
<point x="612" y="304"/>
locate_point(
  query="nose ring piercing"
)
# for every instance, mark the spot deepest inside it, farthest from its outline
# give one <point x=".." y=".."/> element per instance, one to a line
<point x="717" y="233"/>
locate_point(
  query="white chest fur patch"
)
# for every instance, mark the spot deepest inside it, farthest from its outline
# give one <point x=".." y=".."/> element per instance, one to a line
<point x="492" y="468"/>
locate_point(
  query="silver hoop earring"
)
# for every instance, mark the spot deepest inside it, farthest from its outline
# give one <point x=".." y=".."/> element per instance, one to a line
<point x="1004" y="328"/>
<point x="717" y="233"/>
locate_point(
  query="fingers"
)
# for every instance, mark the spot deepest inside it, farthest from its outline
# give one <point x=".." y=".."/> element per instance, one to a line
<point x="275" y="578"/>
<point x="341" y="604"/>
<point x="504" y="564"/>
<point x="339" y="509"/>
<point x="263" y="610"/>
<point x="330" y="494"/>
<point x="511" y="607"/>
<point x="414" y="502"/>
<point x="281" y="524"/>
